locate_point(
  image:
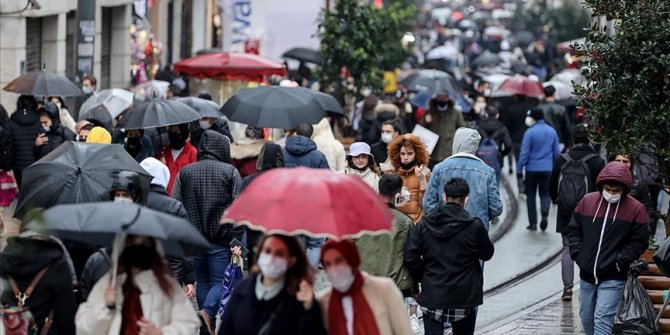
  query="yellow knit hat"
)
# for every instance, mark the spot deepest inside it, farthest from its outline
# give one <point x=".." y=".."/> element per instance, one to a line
<point x="99" y="135"/>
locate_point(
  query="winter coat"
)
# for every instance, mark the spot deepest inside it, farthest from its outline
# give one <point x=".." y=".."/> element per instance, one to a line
<point x="492" y="126"/>
<point x="208" y="187"/>
<point x="244" y="154"/>
<point x="24" y="127"/>
<point x="595" y="165"/>
<point x="329" y="145"/>
<point x="66" y="119"/>
<point x="485" y="202"/>
<point x="301" y="151"/>
<point x="96" y="266"/>
<point x="444" y="252"/>
<point x="368" y="176"/>
<point x="514" y="117"/>
<point x="57" y="134"/>
<point x="556" y="116"/>
<point x="272" y="157"/>
<point x="291" y="317"/>
<point x="380" y="151"/>
<point x="386" y="303"/>
<point x="221" y="128"/>
<point x="188" y="155"/>
<point x="606" y="238"/>
<point x="414" y="207"/>
<point x="146" y="149"/>
<point x="22" y="259"/>
<point x="172" y="315"/>
<point x="445" y="125"/>
<point x="382" y="255"/>
<point x="539" y="149"/>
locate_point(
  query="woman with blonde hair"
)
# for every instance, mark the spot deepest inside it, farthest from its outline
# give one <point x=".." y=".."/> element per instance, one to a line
<point x="409" y="157"/>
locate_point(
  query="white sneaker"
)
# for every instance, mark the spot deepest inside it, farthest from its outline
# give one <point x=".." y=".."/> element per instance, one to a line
<point x="415" y="325"/>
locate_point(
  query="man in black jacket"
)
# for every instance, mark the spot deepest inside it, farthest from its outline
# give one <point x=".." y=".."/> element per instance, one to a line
<point x="207" y="188"/>
<point x="444" y="252"/>
<point x="555" y="115"/>
<point x="581" y="149"/>
<point x="24" y="127"/>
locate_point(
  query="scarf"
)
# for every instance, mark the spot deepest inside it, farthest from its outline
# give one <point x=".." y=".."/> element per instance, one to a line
<point x="364" y="319"/>
<point x="132" y="308"/>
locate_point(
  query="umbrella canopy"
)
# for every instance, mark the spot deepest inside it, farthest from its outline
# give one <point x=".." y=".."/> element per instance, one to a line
<point x="496" y="80"/>
<point x="303" y="54"/>
<point x="114" y="100"/>
<point x="157" y="112"/>
<point x="434" y="82"/>
<point x="204" y="107"/>
<point x="523" y="38"/>
<point x="274" y="107"/>
<point x="43" y="83"/>
<point x="230" y="66"/>
<point x="523" y="86"/>
<point x="467" y="24"/>
<point x="315" y="202"/>
<point x="568" y="76"/>
<point x="101" y="114"/>
<point x="442" y="52"/>
<point x="563" y="90"/>
<point x="487" y="58"/>
<point x="329" y="103"/>
<point x="150" y="89"/>
<point x="497" y="33"/>
<point x="98" y="223"/>
<point x="75" y="173"/>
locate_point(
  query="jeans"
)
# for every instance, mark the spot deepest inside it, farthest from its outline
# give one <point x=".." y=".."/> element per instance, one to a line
<point x="535" y="181"/>
<point x="567" y="265"/>
<point x="313" y="249"/>
<point x="465" y="326"/>
<point x="598" y="305"/>
<point x="209" y="268"/>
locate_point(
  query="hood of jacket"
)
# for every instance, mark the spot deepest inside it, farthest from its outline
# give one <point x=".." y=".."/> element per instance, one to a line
<point x="25" y="117"/>
<point x="323" y="130"/>
<point x="214" y="146"/>
<point x="25" y="256"/>
<point x="615" y="172"/>
<point x="270" y="157"/>
<point x="447" y="221"/>
<point x="386" y="111"/>
<point x="53" y="112"/>
<point x="299" y="145"/>
<point x="246" y="149"/>
<point x="158" y="170"/>
<point x="466" y="140"/>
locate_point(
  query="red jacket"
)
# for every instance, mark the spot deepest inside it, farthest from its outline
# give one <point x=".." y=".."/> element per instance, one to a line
<point x="188" y="155"/>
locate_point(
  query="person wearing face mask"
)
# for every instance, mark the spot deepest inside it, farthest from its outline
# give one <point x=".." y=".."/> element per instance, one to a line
<point x="390" y="130"/>
<point x="361" y="164"/>
<point x="138" y="145"/>
<point x="65" y="117"/>
<point x="539" y="148"/>
<point x="24" y="127"/>
<point x="83" y="132"/>
<point x="409" y="157"/>
<point x="53" y="133"/>
<point x="607" y="232"/>
<point x="278" y="297"/>
<point x="88" y="86"/>
<point x="144" y="300"/>
<point x="442" y="119"/>
<point x="178" y="153"/>
<point x="359" y="303"/>
<point x="210" y="123"/>
<point x="245" y="151"/>
<point x="444" y="252"/>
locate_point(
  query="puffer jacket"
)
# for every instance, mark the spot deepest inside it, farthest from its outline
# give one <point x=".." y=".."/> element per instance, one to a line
<point x="24" y="127"/>
<point x="57" y="134"/>
<point x="208" y="187"/>
<point x="606" y="238"/>
<point x="301" y="151"/>
<point x="329" y="145"/>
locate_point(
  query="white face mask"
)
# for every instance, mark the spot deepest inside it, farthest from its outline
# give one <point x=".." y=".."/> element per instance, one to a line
<point x="387" y="138"/>
<point x="611" y="198"/>
<point x="529" y="121"/>
<point x="272" y="267"/>
<point x="204" y="125"/>
<point x="341" y="277"/>
<point x="123" y="200"/>
<point x="46" y="128"/>
<point x="86" y="89"/>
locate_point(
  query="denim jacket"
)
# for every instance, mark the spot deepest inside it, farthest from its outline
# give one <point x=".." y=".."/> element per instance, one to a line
<point x="484" y="198"/>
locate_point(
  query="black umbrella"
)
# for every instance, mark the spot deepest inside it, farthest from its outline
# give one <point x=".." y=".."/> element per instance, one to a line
<point x="487" y="58"/>
<point x="329" y="103"/>
<point x="274" y="107"/>
<point x="432" y="81"/>
<point x="204" y="107"/>
<point x="303" y="54"/>
<point x="43" y="83"/>
<point x="523" y="38"/>
<point x="157" y="112"/>
<point x="75" y="173"/>
<point x="98" y="223"/>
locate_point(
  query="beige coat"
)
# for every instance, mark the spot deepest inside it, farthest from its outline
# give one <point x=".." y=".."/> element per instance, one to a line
<point x="368" y="176"/>
<point x="66" y="119"/>
<point x="329" y="145"/>
<point x="386" y="303"/>
<point x="173" y="316"/>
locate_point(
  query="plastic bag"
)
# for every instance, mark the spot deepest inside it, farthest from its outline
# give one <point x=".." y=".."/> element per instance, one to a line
<point x="635" y="315"/>
<point x="231" y="277"/>
<point x="662" y="258"/>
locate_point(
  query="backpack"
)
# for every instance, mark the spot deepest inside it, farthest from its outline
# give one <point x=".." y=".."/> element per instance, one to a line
<point x="18" y="320"/>
<point x="489" y="152"/>
<point x="573" y="182"/>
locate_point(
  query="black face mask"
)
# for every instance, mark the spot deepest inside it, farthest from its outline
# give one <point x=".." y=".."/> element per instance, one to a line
<point x="176" y="142"/>
<point x="441" y="104"/>
<point x="81" y="139"/>
<point x="134" y="141"/>
<point x="408" y="166"/>
<point x="139" y="256"/>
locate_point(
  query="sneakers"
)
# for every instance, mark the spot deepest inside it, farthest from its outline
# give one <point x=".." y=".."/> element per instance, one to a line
<point x="532" y="227"/>
<point x="415" y="325"/>
<point x="544" y="223"/>
<point x="205" y="323"/>
<point x="567" y="294"/>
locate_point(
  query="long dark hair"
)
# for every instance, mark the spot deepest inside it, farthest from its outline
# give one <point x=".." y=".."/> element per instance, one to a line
<point x="372" y="165"/>
<point x="296" y="273"/>
<point x="158" y="267"/>
<point x="62" y="102"/>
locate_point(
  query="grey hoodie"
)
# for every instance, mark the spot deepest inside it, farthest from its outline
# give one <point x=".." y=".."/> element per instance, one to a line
<point x="466" y="140"/>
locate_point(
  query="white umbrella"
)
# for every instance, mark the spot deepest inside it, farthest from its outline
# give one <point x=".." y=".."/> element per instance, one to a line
<point x="496" y="31"/>
<point x="115" y="100"/>
<point x="568" y="76"/>
<point x="442" y="52"/>
<point x="563" y="90"/>
<point x="496" y="80"/>
<point x="151" y="88"/>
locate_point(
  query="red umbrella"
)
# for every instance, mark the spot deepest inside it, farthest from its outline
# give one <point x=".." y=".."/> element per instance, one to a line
<point x="314" y="202"/>
<point x="230" y="66"/>
<point x="522" y="85"/>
